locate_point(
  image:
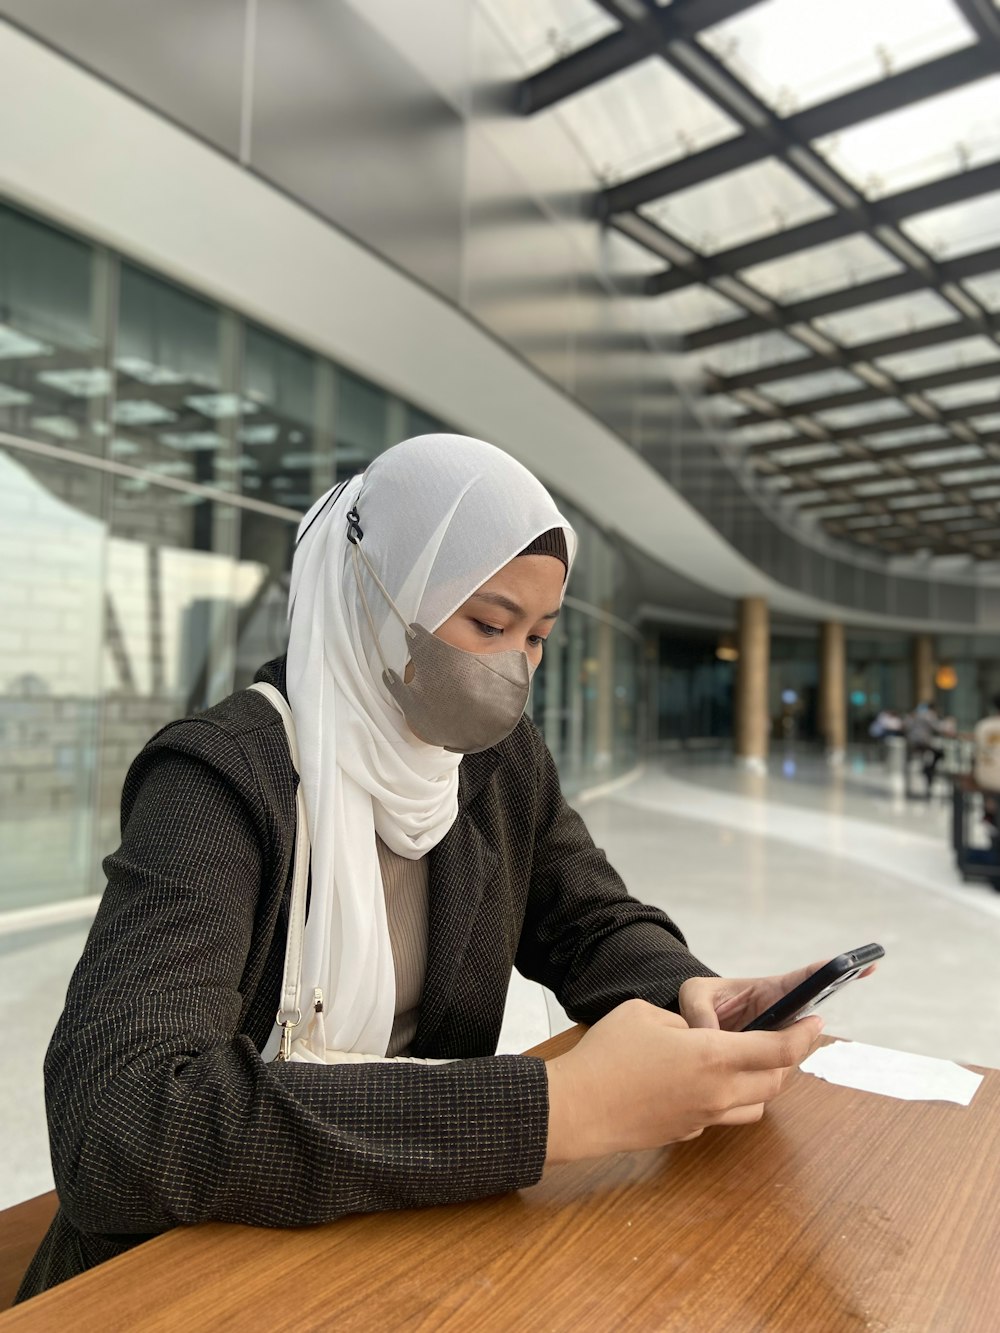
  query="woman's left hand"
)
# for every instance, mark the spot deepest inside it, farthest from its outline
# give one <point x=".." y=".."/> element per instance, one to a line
<point x="731" y="1003"/>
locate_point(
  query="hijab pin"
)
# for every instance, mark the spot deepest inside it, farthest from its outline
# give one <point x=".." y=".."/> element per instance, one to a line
<point x="355" y="532"/>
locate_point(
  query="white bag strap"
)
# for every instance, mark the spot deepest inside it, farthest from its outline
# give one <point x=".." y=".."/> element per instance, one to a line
<point x="290" y="1010"/>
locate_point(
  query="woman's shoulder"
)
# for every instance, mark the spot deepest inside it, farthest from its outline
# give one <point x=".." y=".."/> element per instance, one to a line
<point x="242" y="737"/>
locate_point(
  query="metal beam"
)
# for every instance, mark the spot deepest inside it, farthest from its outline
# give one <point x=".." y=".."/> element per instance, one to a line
<point x="617" y="51"/>
<point x="890" y="210"/>
<point x="875" y="99"/>
<point x="981" y="370"/>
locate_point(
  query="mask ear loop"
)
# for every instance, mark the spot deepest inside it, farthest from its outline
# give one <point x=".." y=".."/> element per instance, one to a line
<point x="353" y="536"/>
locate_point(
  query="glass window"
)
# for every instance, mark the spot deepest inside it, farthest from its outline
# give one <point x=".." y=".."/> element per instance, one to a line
<point x="53" y="550"/>
<point x="54" y="377"/>
<point x="795" y="53"/>
<point x="419" y="422"/>
<point x="891" y="486"/>
<point x="641" y="118"/>
<point x="936" y="137"/>
<point x="739" y="206"/>
<point x="177" y="411"/>
<point x="990" y="421"/>
<point x="361" y="423"/>
<point x="287" y="442"/>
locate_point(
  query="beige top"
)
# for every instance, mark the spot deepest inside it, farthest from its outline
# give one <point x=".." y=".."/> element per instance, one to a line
<point x="405" y="884"/>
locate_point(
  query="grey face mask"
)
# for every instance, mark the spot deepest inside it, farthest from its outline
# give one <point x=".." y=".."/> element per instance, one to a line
<point x="462" y="701"/>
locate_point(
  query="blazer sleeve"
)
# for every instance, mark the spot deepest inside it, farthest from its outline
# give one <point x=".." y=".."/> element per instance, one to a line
<point x="584" y="937"/>
<point x="161" y="1112"/>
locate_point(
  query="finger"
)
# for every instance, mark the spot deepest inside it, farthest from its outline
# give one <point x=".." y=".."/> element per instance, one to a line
<point x="698" y="1007"/>
<point x="773" y="1050"/>
<point x="741" y="1115"/>
<point x="685" y="1138"/>
<point x="735" y="1004"/>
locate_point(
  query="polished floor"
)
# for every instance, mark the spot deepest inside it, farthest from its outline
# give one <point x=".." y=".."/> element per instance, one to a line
<point x="762" y="873"/>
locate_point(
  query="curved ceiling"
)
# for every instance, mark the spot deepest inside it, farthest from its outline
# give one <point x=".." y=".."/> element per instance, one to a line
<point x="817" y="189"/>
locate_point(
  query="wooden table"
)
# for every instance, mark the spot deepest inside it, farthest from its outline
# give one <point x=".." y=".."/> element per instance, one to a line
<point x="840" y="1210"/>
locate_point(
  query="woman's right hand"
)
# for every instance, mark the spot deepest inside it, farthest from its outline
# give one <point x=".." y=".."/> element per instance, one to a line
<point x="640" y="1078"/>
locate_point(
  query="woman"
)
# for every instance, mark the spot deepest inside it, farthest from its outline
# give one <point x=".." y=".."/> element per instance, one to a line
<point x="442" y="855"/>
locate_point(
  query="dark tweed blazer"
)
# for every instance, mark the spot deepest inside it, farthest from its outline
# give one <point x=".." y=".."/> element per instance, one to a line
<point x="160" y="1109"/>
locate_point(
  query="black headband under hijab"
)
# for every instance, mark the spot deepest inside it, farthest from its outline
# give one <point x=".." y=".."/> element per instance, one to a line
<point x="551" y="543"/>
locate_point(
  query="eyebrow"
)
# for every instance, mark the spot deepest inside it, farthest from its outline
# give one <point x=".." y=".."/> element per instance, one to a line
<point x="498" y="599"/>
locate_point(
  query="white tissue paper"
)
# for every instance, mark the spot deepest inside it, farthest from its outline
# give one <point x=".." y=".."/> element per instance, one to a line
<point x="914" y="1078"/>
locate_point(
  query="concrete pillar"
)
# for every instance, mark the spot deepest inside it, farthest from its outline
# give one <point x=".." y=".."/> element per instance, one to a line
<point x="833" y="690"/>
<point x="753" y="720"/>
<point x="923" y="668"/>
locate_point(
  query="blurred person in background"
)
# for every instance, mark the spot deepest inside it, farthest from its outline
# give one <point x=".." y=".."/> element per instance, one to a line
<point x="922" y="729"/>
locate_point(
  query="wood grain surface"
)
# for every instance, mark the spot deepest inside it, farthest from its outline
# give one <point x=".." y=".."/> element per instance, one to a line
<point x="839" y="1211"/>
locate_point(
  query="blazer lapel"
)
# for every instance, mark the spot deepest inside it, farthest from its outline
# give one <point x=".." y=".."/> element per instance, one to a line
<point x="461" y="866"/>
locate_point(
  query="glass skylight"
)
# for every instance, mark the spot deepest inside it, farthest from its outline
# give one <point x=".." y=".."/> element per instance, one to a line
<point x="915" y="501"/>
<point x="794" y="53"/>
<point x="804" y="453"/>
<point x="739" y="206"/>
<point x="986" y="493"/>
<point x="890" y="486"/>
<point x="961" y="453"/>
<point x="982" y="392"/>
<point x="957" y="229"/>
<point x="862" y="414"/>
<point x="888" y="439"/>
<point x="921" y="142"/>
<point x="763" y="432"/>
<point x="886" y="319"/>
<point x="823" y="268"/>
<point x="966" y="476"/>
<point x="13" y="397"/>
<point x="693" y="308"/>
<point x="14" y="343"/>
<point x="945" y="356"/>
<point x="641" y="118"/>
<point x="986" y="289"/>
<point x="840" y="510"/>
<point x="989" y="421"/>
<point x="751" y="353"/>
<point x="141" y="412"/>
<point x="847" y="471"/>
<point x="803" y="387"/>
<point x="543" y="31"/>
<point x="84" y="382"/>
<point x="946" y="511"/>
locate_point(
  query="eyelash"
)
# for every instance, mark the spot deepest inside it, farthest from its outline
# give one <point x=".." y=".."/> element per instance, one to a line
<point x="492" y="631"/>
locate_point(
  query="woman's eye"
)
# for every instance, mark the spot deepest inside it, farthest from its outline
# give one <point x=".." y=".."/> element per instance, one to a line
<point x="537" y="640"/>
<point x="491" y="631"/>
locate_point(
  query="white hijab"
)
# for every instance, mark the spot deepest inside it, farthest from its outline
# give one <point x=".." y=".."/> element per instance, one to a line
<point x="441" y="514"/>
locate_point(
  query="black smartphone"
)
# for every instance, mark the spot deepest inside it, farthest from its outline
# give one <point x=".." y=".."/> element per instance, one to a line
<point x="815" y="989"/>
